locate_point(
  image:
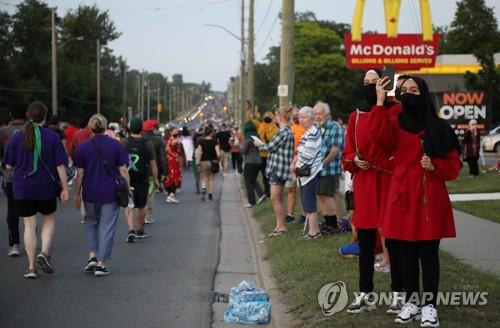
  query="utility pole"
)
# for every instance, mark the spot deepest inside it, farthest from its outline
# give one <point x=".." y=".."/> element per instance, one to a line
<point x="138" y="93"/>
<point x="124" y="92"/>
<point x="54" y="63"/>
<point x="171" y="103"/>
<point x="142" y="96"/>
<point x="250" y="62"/>
<point x="158" y="102"/>
<point x="242" y="64"/>
<point x="98" y="76"/>
<point x="149" y="99"/>
<point x="287" y="45"/>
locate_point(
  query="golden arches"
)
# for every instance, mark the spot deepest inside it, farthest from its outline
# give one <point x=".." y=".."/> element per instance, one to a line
<point x="391" y="8"/>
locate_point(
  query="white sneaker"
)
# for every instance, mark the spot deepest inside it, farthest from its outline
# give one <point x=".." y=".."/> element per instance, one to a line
<point x="429" y="316"/>
<point x="261" y="199"/>
<point x="362" y="303"/>
<point x="149" y="220"/>
<point x="248" y="206"/>
<point x="409" y="312"/>
<point x="13" y="251"/>
<point x="172" y="199"/>
<point x="397" y="303"/>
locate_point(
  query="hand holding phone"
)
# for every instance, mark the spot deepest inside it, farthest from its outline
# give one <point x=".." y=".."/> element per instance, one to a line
<point x="388" y="72"/>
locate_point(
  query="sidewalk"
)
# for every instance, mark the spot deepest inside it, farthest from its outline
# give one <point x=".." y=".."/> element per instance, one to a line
<point x="240" y="256"/>
<point x="477" y="242"/>
<point x="469" y="197"/>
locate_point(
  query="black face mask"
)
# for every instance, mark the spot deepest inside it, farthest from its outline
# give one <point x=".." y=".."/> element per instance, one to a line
<point x="412" y="119"/>
<point x="370" y="93"/>
<point x="397" y="93"/>
<point x="175" y="135"/>
<point x="411" y="103"/>
<point x="268" y="120"/>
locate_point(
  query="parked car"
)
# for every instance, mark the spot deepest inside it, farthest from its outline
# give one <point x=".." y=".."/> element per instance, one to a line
<point x="491" y="142"/>
<point x="495" y="130"/>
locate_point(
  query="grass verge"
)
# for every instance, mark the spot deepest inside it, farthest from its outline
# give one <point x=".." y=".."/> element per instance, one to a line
<point x="485" y="182"/>
<point x="301" y="268"/>
<point x="486" y="209"/>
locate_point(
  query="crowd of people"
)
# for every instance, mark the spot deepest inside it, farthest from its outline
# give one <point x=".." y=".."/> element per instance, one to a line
<point x="394" y="157"/>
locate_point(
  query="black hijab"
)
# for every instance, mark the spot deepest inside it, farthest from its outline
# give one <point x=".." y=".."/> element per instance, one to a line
<point x="370" y="93"/>
<point x="419" y="114"/>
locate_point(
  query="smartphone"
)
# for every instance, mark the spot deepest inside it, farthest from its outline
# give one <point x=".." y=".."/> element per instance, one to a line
<point x="388" y="71"/>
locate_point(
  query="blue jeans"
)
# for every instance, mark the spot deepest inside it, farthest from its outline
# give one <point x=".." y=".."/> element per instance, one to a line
<point x="100" y="227"/>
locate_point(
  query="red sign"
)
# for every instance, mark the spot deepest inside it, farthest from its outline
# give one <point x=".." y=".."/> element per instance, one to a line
<point x="405" y="52"/>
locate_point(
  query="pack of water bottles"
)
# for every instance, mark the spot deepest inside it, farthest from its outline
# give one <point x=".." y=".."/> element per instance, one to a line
<point x="248" y="305"/>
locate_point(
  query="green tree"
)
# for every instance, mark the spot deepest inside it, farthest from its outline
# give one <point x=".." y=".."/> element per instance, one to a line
<point x="475" y="30"/>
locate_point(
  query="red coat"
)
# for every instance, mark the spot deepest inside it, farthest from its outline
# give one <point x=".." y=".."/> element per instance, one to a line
<point x="418" y="206"/>
<point x="174" y="177"/>
<point x="371" y="186"/>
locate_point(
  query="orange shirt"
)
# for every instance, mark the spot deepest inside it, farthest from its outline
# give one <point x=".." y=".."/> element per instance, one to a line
<point x="297" y="131"/>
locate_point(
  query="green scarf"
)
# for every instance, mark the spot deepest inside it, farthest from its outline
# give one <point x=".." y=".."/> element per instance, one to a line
<point x="37" y="150"/>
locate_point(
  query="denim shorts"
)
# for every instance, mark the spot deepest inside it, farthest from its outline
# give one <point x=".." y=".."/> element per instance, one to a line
<point x="275" y="180"/>
<point x="308" y="194"/>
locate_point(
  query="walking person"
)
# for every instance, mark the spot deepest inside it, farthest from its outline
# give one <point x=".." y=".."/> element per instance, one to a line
<point x="251" y="170"/>
<point x="471" y="146"/>
<point x="17" y="116"/>
<point x="208" y="156"/>
<point x="142" y="165"/>
<point x="419" y="213"/>
<point x="236" y="159"/>
<point x="223" y="138"/>
<point x="280" y="150"/>
<point x="331" y="151"/>
<point x="370" y="165"/>
<point x="38" y="159"/>
<point x="309" y="154"/>
<point x="188" y="146"/>
<point x="173" y="180"/>
<point x="161" y="164"/>
<point x="99" y="161"/>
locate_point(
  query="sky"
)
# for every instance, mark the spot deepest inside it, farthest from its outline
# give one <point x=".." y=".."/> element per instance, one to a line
<point x="171" y="36"/>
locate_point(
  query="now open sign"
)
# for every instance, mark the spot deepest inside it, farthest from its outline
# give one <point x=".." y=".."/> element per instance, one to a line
<point x="458" y="108"/>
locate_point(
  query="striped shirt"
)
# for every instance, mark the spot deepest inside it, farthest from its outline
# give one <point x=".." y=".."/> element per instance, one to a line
<point x="309" y="153"/>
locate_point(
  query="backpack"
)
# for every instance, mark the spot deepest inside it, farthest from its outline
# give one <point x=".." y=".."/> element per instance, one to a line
<point x="138" y="159"/>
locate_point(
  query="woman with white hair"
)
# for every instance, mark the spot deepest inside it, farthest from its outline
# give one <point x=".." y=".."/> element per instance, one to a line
<point x="307" y="166"/>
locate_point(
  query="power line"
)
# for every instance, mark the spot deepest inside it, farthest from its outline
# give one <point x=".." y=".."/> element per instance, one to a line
<point x="265" y="17"/>
<point x="268" y="35"/>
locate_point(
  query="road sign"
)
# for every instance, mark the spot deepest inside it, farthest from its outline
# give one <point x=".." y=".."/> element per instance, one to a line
<point x="282" y="90"/>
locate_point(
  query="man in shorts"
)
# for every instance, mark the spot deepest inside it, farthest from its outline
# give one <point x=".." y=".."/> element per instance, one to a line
<point x="142" y="158"/>
<point x="331" y="148"/>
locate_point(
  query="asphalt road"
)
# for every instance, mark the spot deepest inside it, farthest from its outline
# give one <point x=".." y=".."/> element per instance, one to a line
<point x="164" y="280"/>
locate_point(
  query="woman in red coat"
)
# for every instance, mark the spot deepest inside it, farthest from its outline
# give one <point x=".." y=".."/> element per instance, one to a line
<point x="371" y="168"/>
<point x="174" y="178"/>
<point x="418" y="212"/>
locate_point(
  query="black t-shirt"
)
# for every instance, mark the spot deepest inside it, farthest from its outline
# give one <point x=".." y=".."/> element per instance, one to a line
<point x="223" y="138"/>
<point x="208" y="150"/>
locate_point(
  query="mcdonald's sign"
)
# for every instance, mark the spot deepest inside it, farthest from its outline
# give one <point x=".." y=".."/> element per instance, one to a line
<point x="404" y="51"/>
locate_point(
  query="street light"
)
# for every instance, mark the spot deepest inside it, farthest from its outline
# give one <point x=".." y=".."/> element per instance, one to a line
<point x="54" y="60"/>
<point x="99" y="48"/>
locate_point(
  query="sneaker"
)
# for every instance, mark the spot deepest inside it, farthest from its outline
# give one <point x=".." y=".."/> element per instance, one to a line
<point x="329" y="230"/>
<point x="397" y="303"/>
<point x="349" y="250"/>
<point x="131" y="236"/>
<point x="429" y="316"/>
<point x="101" y="271"/>
<point x="261" y="199"/>
<point x="210" y="198"/>
<point x="248" y="206"/>
<point x="13" y="251"/>
<point x="289" y="218"/>
<point x="45" y="263"/>
<point x="30" y="274"/>
<point x="91" y="265"/>
<point x="382" y="268"/>
<point x="409" y="312"/>
<point x="362" y="303"/>
<point x="302" y="219"/>
<point x="149" y="220"/>
<point x="172" y="199"/>
<point x="140" y="234"/>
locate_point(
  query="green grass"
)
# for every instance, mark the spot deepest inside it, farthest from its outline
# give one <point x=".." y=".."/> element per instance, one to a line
<point x="486" y="209"/>
<point x="301" y="268"/>
<point x="485" y="182"/>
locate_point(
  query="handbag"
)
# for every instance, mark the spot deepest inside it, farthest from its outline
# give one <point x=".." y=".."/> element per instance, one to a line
<point x="305" y="170"/>
<point x="214" y="166"/>
<point x="122" y="190"/>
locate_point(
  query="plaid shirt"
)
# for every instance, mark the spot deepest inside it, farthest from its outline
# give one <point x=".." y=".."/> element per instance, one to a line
<point x="333" y="136"/>
<point x="280" y="150"/>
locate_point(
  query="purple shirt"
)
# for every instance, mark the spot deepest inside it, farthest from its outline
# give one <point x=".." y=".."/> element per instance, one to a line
<point x="40" y="185"/>
<point x="99" y="186"/>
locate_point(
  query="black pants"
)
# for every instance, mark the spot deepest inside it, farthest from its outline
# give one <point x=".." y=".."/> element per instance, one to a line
<point x="236" y="160"/>
<point x="367" y="239"/>
<point x="252" y="186"/>
<point x="395" y="256"/>
<point x="473" y="166"/>
<point x="171" y="189"/>
<point x="12" y="215"/>
<point x="267" y="187"/>
<point x="427" y="253"/>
